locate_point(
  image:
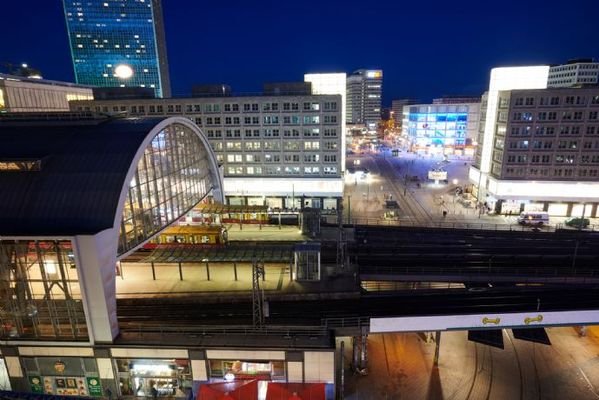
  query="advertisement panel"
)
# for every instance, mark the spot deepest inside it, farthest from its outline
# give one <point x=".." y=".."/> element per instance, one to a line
<point x="437" y="175"/>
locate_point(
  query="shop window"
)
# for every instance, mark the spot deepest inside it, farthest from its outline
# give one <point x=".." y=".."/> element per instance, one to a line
<point x="150" y="378"/>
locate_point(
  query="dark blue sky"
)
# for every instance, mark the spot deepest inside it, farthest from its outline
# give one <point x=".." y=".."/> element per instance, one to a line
<point x="426" y="48"/>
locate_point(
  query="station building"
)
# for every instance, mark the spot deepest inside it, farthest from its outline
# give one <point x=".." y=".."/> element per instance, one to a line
<point x="280" y="151"/>
<point x="78" y="196"/>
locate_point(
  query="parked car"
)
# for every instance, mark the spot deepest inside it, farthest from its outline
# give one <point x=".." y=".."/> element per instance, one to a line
<point x="577" y="222"/>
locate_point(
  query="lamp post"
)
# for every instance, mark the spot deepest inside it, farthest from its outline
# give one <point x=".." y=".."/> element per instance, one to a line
<point x="581" y="223"/>
<point x="349" y="209"/>
<point x="480" y="204"/>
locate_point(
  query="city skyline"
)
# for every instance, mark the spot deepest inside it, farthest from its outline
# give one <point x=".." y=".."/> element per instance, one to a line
<point x="204" y="49"/>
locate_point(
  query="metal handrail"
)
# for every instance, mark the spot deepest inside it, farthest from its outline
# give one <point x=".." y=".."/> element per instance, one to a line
<point x="209" y="330"/>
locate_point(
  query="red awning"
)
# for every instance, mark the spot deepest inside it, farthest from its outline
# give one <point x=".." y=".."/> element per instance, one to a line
<point x="295" y="391"/>
<point x="240" y="390"/>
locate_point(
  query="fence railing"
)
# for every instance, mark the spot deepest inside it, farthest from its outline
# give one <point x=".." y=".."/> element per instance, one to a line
<point x="214" y="330"/>
<point x="467" y="224"/>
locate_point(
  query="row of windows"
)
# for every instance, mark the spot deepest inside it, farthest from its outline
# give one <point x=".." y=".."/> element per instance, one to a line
<point x="217" y="107"/>
<point x="544" y="144"/>
<point x="552" y="116"/>
<point x="268" y="120"/>
<point x="551" y="101"/>
<point x="555" y="159"/>
<point x="572" y="67"/>
<point x="257" y="146"/>
<point x="277" y="170"/>
<point x="268" y="158"/>
<point x="541" y="130"/>
<point x="552" y="172"/>
<point x="253" y="133"/>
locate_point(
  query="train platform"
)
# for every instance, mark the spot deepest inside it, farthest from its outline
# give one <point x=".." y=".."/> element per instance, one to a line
<point x="227" y="275"/>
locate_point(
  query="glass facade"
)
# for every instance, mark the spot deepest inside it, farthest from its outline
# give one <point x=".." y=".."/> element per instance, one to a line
<point x="39" y="290"/>
<point x="172" y="176"/>
<point x="438" y="126"/>
<point x="118" y="43"/>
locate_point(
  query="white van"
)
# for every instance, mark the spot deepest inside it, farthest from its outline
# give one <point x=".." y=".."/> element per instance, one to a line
<point x="533" y="218"/>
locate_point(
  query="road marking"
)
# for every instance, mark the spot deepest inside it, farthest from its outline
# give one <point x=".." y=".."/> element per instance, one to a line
<point x="588" y="382"/>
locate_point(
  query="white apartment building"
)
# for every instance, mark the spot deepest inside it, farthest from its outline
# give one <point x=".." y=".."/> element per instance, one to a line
<point x="332" y="83"/>
<point x="281" y="151"/>
<point x="540" y="146"/>
<point x="573" y="73"/>
<point x="20" y="94"/>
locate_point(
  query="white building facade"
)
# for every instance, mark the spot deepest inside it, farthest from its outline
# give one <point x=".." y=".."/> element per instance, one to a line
<point x="333" y="83"/>
<point x="539" y="149"/>
<point x="575" y="72"/>
<point x="19" y="94"/>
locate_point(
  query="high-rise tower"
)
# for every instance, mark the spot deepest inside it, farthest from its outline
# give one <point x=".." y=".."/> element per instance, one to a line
<point x="364" y="90"/>
<point x="118" y="43"/>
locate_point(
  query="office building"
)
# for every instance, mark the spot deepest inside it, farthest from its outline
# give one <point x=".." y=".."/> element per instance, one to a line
<point x="539" y="150"/>
<point x="279" y="151"/>
<point x="20" y="94"/>
<point x="456" y="99"/>
<point x="118" y="43"/>
<point x="574" y="73"/>
<point x="441" y="128"/>
<point x="397" y="110"/>
<point x="333" y="83"/>
<point x="364" y="97"/>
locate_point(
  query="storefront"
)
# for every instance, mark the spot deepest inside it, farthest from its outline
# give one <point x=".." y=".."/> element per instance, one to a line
<point x="231" y="370"/>
<point x="151" y="378"/>
<point x="67" y="376"/>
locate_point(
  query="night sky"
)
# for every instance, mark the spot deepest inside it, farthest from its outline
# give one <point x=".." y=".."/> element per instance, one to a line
<point x="426" y="48"/>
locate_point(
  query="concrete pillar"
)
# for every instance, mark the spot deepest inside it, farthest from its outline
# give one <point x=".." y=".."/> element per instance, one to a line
<point x="342" y="371"/>
<point x="95" y="259"/>
<point x="437" y="346"/>
<point x="364" y="352"/>
<point x="355" y="353"/>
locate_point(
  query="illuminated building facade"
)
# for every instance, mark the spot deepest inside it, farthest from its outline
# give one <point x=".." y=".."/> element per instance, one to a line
<point x="280" y="151"/>
<point x="441" y="128"/>
<point x="364" y="97"/>
<point x="118" y="43"/>
<point x="19" y="94"/>
<point x="539" y="150"/>
<point x="332" y="83"/>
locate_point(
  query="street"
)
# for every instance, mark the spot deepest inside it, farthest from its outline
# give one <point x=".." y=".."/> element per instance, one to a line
<point x="400" y="366"/>
<point x="405" y="179"/>
<point x="421" y="201"/>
